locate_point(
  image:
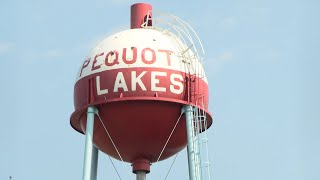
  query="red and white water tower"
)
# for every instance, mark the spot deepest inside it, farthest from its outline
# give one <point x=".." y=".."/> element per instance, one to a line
<point x="141" y="96"/>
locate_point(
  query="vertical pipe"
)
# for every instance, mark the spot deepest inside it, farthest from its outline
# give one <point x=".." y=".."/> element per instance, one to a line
<point x="141" y="167"/>
<point x="139" y="15"/>
<point x="94" y="163"/>
<point x="141" y="175"/>
<point x="90" y="154"/>
<point x="190" y="134"/>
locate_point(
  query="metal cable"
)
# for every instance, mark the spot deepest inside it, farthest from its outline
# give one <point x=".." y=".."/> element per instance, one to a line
<point x="115" y="147"/>
<point x="169" y="136"/>
<point x="114" y="167"/>
<point x="171" y="166"/>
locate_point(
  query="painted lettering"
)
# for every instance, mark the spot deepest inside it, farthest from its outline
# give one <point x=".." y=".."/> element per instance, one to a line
<point x="176" y="87"/>
<point x="85" y="64"/>
<point x="120" y="82"/>
<point x="158" y="81"/>
<point x="134" y="55"/>
<point x="99" y="90"/>
<point x="148" y="51"/>
<point x="94" y="67"/>
<point x="115" y="60"/>
<point x="137" y="80"/>
<point x="168" y="53"/>
<point x="155" y="81"/>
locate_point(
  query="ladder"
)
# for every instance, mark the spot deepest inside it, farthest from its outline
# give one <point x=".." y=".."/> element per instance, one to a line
<point x="171" y="24"/>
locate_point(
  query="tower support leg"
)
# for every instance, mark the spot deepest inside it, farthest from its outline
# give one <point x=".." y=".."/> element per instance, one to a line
<point x="91" y="152"/>
<point x="94" y="163"/>
<point x="188" y="110"/>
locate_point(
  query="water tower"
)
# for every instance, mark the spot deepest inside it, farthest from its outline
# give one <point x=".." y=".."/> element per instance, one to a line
<point x="141" y="95"/>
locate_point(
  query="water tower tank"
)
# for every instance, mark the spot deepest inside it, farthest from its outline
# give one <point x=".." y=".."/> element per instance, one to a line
<point x="139" y="79"/>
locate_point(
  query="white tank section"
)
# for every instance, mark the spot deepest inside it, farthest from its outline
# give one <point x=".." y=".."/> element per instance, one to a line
<point x="135" y="48"/>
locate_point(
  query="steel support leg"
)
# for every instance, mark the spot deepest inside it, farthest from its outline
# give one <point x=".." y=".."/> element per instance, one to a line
<point x="91" y="152"/>
<point x="94" y="163"/>
<point x="187" y="109"/>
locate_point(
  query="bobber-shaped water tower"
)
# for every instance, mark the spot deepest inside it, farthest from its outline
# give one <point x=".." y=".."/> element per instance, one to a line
<point x="141" y="96"/>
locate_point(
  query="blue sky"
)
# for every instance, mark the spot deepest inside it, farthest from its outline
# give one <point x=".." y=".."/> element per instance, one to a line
<point x="262" y="63"/>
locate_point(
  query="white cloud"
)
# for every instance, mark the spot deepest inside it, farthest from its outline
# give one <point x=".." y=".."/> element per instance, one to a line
<point x="120" y="1"/>
<point x="53" y="53"/>
<point x="104" y="3"/>
<point x="215" y="64"/>
<point x="6" y="47"/>
<point x="260" y="10"/>
<point x="223" y="57"/>
<point x="45" y="54"/>
<point x="228" y="21"/>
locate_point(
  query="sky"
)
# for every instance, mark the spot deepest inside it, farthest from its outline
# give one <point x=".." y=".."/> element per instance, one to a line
<point x="262" y="64"/>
